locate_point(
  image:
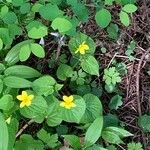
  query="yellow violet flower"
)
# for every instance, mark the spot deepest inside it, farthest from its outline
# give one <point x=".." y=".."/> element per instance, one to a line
<point x="25" y="99"/>
<point x="68" y="102"/>
<point x="82" y="48"/>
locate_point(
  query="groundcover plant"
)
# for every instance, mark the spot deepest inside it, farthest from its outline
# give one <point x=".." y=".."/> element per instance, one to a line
<point x="67" y="70"/>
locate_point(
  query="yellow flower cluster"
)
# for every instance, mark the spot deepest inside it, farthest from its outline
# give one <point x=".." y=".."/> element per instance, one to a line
<point x="83" y="47"/>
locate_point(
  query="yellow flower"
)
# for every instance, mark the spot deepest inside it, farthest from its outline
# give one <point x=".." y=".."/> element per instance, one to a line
<point x="82" y="48"/>
<point x="68" y="102"/>
<point x="25" y="99"/>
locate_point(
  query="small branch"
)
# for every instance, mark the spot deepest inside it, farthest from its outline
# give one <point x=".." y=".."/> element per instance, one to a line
<point x="138" y="92"/>
<point x="24" y="127"/>
<point x="112" y="59"/>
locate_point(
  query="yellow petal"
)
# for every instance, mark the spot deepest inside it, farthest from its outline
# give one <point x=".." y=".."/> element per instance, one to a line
<point x="65" y="98"/>
<point x="30" y="97"/>
<point x="28" y="103"/>
<point x="22" y="104"/>
<point x="62" y="104"/>
<point x="70" y="98"/>
<point x="19" y="97"/>
<point x="86" y="47"/>
<point x="82" y="51"/>
<point x="24" y="94"/>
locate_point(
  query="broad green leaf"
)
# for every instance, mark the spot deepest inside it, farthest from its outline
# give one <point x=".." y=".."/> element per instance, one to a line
<point x="129" y="8"/>
<point x="26" y="72"/>
<point x="44" y="85"/>
<point x="119" y="131"/>
<point x="111" y="137"/>
<point x="26" y="142"/>
<point x="62" y="24"/>
<point x="38" y="50"/>
<point x="12" y="56"/>
<point x="3" y="133"/>
<point x="53" y="115"/>
<point x="12" y="129"/>
<point x="50" y="12"/>
<point x="124" y="18"/>
<point x="6" y="102"/>
<point x="16" y="82"/>
<point x="10" y="18"/>
<point x="78" y="39"/>
<point x="36" y="30"/>
<point x="103" y="18"/>
<point x="90" y="65"/>
<point x="64" y="71"/>
<point x="1" y="44"/>
<point x="144" y="122"/>
<point x="73" y="140"/>
<point x="74" y="114"/>
<point x="4" y="11"/>
<point x="115" y="102"/>
<point x="93" y="108"/>
<point x="37" y="109"/>
<point x="25" y="8"/>
<point x="94" y="132"/>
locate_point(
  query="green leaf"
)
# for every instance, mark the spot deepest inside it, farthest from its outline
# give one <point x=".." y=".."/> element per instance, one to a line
<point x="17" y="2"/>
<point x="50" y="140"/>
<point x="38" y="50"/>
<point x="50" y="12"/>
<point x="90" y="65"/>
<point x="1" y="86"/>
<point x="115" y="102"/>
<point x="144" y="122"/>
<point x="16" y="82"/>
<point x="3" y="133"/>
<point x="4" y="11"/>
<point x="93" y="108"/>
<point x="53" y="115"/>
<point x="135" y="146"/>
<point x="12" y="130"/>
<point x="44" y="85"/>
<point x="12" y="56"/>
<point x="74" y="114"/>
<point x="94" y="132"/>
<point x="37" y="109"/>
<point x="6" y="102"/>
<point x="26" y="72"/>
<point x="103" y="18"/>
<point x="25" y="8"/>
<point x="119" y="131"/>
<point x="111" y="137"/>
<point x="124" y="18"/>
<point x="25" y="52"/>
<point x="109" y="2"/>
<point x="36" y="30"/>
<point x="1" y="44"/>
<point x="73" y="140"/>
<point x="112" y="31"/>
<point x="62" y="24"/>
<point x="10" y="18"/>
<point x="64" y="71"/>
<point x="129" y="8"/>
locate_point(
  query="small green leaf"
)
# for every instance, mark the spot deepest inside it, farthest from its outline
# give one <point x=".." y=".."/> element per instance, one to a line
<point x="10" y="18"/>
<point x="16" y="82"/>
<point x="144" y="122"/>
<point x="94" y="132"/>
<point x="3" y="133"/>
<point x="62" y="24"/>
<point x="124" y="18"/>
<point x="115" y="102"/>
<point x="129" y="8"/>
<point x="25" y="8"/>
<point x="135" y="146"/>
<point x="90" y="65"/>
<point x="103" y="18"/>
